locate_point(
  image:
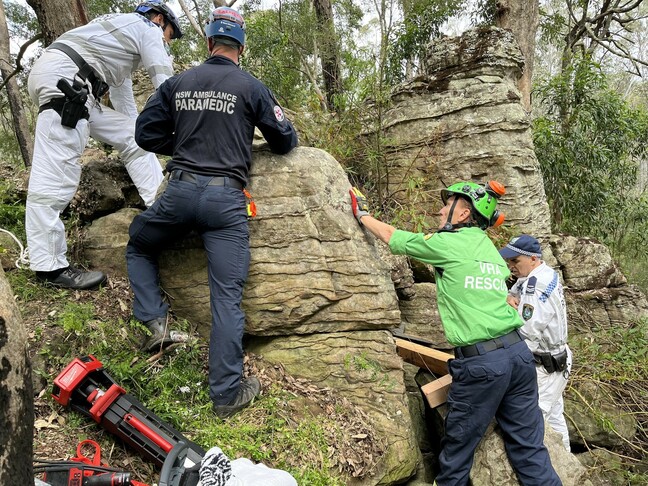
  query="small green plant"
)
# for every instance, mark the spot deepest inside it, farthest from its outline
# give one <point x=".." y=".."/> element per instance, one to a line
<point x="75" y="316"/>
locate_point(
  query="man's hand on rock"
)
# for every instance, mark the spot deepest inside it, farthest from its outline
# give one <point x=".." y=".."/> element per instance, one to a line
<point x="359" y="204"/>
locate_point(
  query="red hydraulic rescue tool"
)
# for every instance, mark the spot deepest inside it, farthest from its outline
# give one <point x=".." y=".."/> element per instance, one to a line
<point x="85" y="387"/>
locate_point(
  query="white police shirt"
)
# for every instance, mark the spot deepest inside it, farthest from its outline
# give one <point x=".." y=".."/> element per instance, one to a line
<point x="115" y="45"/>
<point x="542" y="309"/>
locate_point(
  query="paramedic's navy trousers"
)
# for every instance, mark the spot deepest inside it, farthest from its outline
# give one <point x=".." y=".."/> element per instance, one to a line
<point x="218" y="214"/>
<point x="500" y="384"/>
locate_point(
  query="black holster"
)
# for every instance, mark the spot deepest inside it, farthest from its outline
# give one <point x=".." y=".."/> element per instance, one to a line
<point x="552" y="363"/>
<point x="72" y="107"/>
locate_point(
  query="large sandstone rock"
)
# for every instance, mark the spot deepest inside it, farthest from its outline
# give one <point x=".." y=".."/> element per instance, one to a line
<point x="401" y="272"/>
<point x="105" y="187"/>
<point x="463" y="119"/>
<point x="492" y="468"/>
<point x="585" y="263"/>
<point x="420" y="316"/>
<point x="615" y="307"/>
<point x="105" y="241"/>
<point x="312" y="270"/>
<point x="362" y="366"/>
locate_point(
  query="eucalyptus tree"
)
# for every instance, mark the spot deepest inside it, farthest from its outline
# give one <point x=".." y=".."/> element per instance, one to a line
<point x="16" y="394"/>
<point x="18" y="28"/>
<point x="603" y="31"/>
<point x="522" y="18"/>
<point x="8" y="70"/>
<point x="58" y="16"/>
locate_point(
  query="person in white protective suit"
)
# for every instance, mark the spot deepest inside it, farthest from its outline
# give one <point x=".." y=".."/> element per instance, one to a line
<point x="216" y="469"/>
<point x="538" y="296"/>
<point x="67" y="82"/>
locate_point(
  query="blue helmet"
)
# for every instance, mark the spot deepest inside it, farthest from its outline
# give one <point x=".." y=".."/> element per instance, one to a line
<point x="160" y="7"/>
<point x="226" y="22"/>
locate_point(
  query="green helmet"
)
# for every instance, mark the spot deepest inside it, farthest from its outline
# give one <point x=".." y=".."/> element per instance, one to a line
<point x="483" y="199"/>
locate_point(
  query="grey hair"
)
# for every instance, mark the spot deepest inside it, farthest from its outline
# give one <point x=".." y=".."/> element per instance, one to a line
<point x="225" y="41"/>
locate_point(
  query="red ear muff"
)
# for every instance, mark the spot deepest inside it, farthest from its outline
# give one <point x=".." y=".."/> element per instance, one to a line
<point x="497" y="219"/>
<point x="496" y="188"/>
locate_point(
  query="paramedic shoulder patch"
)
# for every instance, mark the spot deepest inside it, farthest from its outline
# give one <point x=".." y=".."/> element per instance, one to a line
<point x="527" y="312"/>
<point x="279" y="114"/>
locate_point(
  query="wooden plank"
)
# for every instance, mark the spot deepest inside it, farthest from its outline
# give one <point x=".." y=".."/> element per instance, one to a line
<point x="423" y="357"/>
<point x="436" y="392"/>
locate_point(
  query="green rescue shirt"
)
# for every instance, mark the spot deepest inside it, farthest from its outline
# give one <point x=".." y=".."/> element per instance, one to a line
<point x="471" y="282"/>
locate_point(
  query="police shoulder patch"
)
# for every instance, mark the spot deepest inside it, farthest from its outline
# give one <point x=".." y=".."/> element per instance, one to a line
<point x="531" y="285"/>
<point x="527" y="312"/>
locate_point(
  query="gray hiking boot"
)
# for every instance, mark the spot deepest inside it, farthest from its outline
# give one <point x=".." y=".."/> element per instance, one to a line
<point x="72" y="278"/>
<point x="161" y="336"/>
<point x="248" y="390"/>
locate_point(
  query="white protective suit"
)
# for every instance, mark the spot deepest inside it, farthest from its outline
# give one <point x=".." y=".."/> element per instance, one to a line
<point x="114" y="45"/>
<point x="216" y="469"/>
<point x="544" y="313"/>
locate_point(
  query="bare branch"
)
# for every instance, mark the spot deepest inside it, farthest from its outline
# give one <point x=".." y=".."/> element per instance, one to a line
<point x="24" y="47"/>
<point x="615" y="48"/>
<point x="191" y="18"/>
<point x="606" y="12"/>
<point x="198" y="15"/>
<point x="19" y="57"/>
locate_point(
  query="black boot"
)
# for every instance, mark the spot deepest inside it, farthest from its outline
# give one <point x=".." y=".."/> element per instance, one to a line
<point x="161" y="336"/>
<point x="248" y="390"/>
<point x="72" y="278"/>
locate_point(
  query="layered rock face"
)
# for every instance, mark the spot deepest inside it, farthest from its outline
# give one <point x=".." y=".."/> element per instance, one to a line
<point x="311" y="269"/>
<point x="462" y="120"/>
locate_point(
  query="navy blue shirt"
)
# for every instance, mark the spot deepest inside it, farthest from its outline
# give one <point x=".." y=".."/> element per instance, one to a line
<point x="205" y="118"/>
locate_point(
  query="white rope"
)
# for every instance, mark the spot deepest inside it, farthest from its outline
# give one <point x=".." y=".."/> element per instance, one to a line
<point x="23" y="259"/>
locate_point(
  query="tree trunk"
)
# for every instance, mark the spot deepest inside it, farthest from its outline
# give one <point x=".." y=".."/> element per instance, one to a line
<point x="21" y="127"/>
<point x="329" y="51"/>
<point x="16" y="395"/>
<point x="58" y="16"/>
<point x="522" y="18"/>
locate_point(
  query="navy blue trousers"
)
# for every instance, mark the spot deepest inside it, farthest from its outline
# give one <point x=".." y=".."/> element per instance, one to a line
<point x="500" y="384"/>
<point x="219" y="215"/>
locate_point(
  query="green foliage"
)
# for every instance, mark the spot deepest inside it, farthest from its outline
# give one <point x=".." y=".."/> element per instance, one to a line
<point x="617" y="354"/>
<point x="9" y="148"/>
<point x="484" y="12"/>
<point x="12" y="211"/>
<point x="25" y="288"/>
<point x="102" y="7"/>
<point x="21" y="21"/>
<point x="288" y="443"/>
<point x="75" y="316"/>
<point x="615" y="361"/>
<point x="588" y="145"/>
<point x="278" y="49"/>
<point x="177" y="392"/>
<point x="422" y="21"/>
